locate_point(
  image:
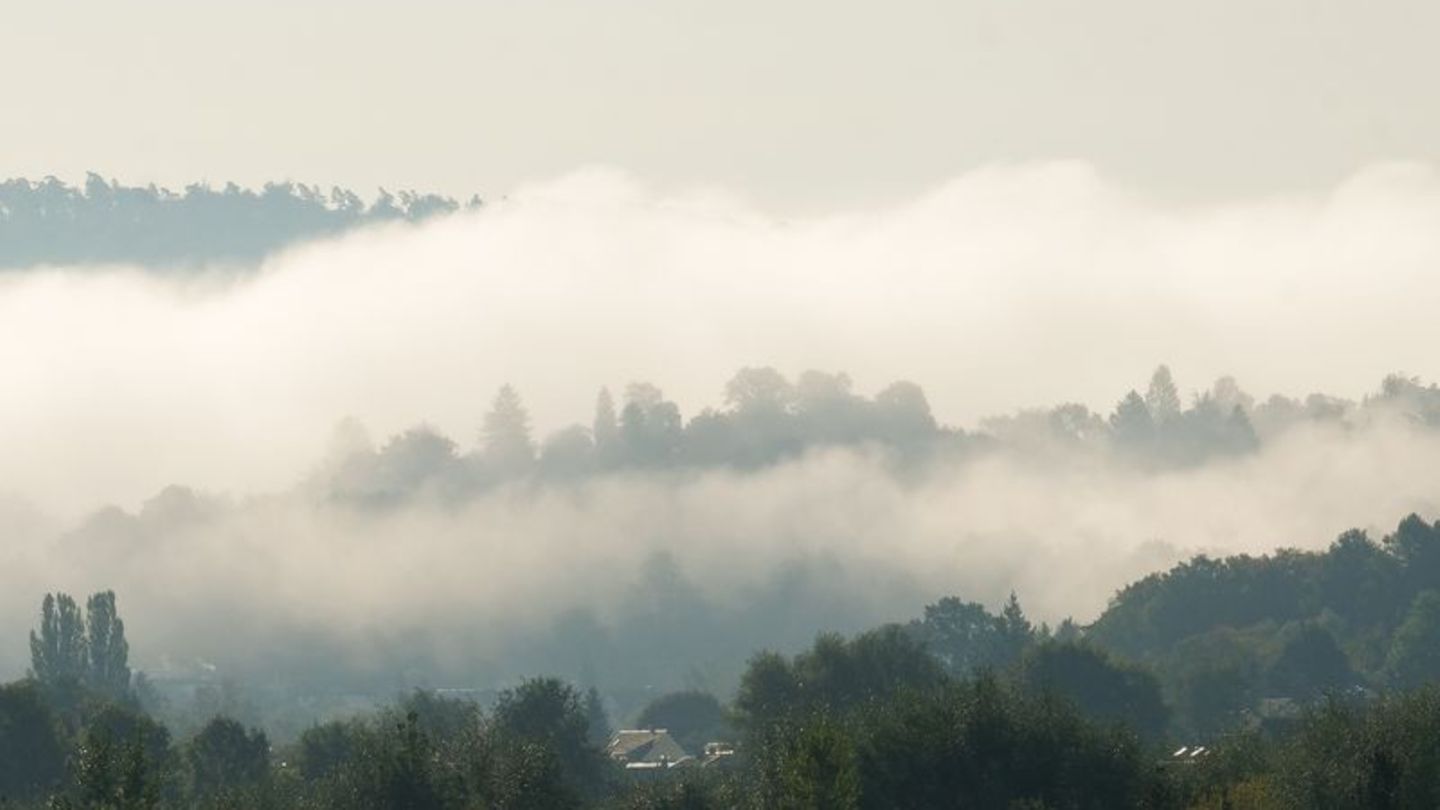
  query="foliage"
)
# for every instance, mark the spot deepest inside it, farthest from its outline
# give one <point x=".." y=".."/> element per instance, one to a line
<point x="692" y="717"/>
<point x="1415" y="650"/>
<point x="1102" y="688"/>
<point x="548" y="715"/>
<point x="81" y="649"/>
<point x="835" y="674"/>
<point x="224" y="756"/>
<point x="32" y="753"/>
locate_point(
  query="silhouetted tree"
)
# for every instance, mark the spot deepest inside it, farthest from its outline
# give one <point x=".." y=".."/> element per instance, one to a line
<point x="58" y="653"/>
<point x="1310" y="663"/>
<point x="224" y="756"/>
<point x="32" y="755"/>
<point x="505" y="443"/>
<point x="109" y="670"/>
<point x="549" y="713"/>
<point x="113" y="773"/>
<point x="904" y="413"/>
<point x="651" y="429"/>
<point x="759" y="391"/>
<point x="1162" y="397"/>
<point x="1132" y="423"/>
<point x="1101" y="687"/>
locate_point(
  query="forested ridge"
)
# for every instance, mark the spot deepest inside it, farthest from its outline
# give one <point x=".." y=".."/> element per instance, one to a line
<point x="50" y="222"/>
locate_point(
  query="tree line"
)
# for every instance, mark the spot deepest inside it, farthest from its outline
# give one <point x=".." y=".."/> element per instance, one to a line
<point x="50" y="222"/>
<point x="959" y="707"/>
<point x="767" y="418"/>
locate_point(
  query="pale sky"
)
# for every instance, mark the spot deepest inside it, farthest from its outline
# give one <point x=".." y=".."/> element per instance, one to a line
<point x="815" y="103"/>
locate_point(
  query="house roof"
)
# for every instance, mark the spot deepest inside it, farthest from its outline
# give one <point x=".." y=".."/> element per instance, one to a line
<point x="645" y="745"/>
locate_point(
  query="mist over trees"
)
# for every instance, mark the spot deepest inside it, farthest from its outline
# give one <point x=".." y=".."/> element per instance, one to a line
<point x="960" y="707"/>
<point x="1204" y="650"/>
<point x="50" y="222"/>
<point x="768" y="418"/>
<point x="643" y="610"/>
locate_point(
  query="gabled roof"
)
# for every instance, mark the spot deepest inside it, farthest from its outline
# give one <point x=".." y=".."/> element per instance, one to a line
<point x="647" y="745"/>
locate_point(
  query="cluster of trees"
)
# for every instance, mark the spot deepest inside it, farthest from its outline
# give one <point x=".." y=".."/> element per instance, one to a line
<point x="75" y="649"/>
<point x="1337" y="755"/>
<point x="914" y="737"/>
<point x="1157" y="429"/>
<point x="872" y="721"/>
<point x="52" y="222"/>
<point x="536" y="748"/>
<point x="1208" y="649"/>
<point x="1225" y="634"/>
<point x="959" y="707"/>
<point x="768" y="417"/>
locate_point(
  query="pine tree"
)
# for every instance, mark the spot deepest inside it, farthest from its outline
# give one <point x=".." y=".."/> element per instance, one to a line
<point x="1162" y="397"/>
<point x="1016" y="632"/>
<point x="505" y="441"/>
<point x="1131" y="424"/>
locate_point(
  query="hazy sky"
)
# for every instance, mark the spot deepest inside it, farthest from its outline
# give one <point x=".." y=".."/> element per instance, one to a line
<point x="818" y="103"/>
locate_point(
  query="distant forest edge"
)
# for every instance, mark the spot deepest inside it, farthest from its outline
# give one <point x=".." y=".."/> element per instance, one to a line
<point x="49" y="222"/>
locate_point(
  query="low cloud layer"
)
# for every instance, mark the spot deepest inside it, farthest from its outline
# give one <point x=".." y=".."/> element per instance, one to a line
<point x="1010" y="287"/>
<point x="478" y="587"/>
<point x="1018" y="286"/>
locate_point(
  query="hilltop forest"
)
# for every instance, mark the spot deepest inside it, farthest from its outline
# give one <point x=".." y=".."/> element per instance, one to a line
<point x="102" y="222"/>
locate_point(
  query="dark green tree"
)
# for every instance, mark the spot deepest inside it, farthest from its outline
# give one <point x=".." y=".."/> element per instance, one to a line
<point x="32" y="754"/>
<point x="225" y="757"/>
<point x="1414" y="656"/>
<point x="1310" y="663"/>
<point x="808" y="764"/>
<point x="1103" y="688"/>
<point x="979" y="743"/>
<point x="1016" y="632"/>
<point x="768" y="689"/>
<point x="550" y="713"/>
<point x="58" y="653"/>
<point x="109" y="652"/>
<point x="834" y="675"/>
<point x="963" y="636"/>
<point x="325" y="749"/>
<point x="114" y="773"/>
<point x="692" y="717"/>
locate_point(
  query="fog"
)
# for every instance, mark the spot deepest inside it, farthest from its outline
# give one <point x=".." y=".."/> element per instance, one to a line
<point x="1013" y="287"/>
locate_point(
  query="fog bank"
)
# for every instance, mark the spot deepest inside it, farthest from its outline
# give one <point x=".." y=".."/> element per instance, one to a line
<point x="1013" y="286"/>
<point x="1006" y="288"/>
